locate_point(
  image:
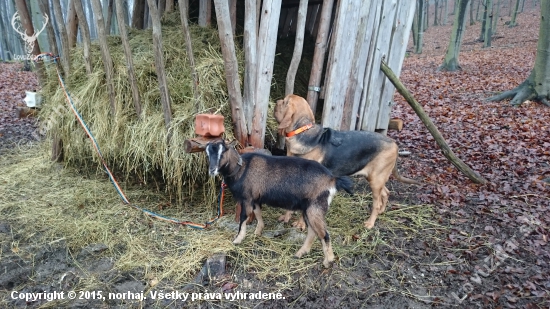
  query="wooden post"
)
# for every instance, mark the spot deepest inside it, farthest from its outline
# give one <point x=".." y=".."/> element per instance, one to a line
<point x="233" y="13"/>
<point x="65" y="50"/>
<point x="447" y="151"/>
<point x="45" y="8"/>
<point x="72" y="23"/>
<point x="205" y="13"/>
<point x="109" y="17"/>
<point x="83" y="24"/>
<point x="250" y="69"/>
<point x="319" y="54"/>
<point x="128" y="55"/>
<point x="400" y="31"/>
<point x="267" y="40"/>
<point x="231" y="70"/>
<point x="105" y="55"/>
<point x="138" y="13"/>
<point x="298" y="47"/>
<point x="343" y="46"/>
<point x="184" y="13"/>
<point x="159" y="64"/>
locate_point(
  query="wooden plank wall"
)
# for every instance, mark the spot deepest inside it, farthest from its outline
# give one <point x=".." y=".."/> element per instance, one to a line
<point x="364" y="33"/>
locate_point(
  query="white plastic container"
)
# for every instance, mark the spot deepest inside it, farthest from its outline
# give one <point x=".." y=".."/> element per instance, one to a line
<point x="33" y="99"/>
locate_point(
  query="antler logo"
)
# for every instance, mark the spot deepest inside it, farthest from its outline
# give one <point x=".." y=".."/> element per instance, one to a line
<point x="30" y="40"/>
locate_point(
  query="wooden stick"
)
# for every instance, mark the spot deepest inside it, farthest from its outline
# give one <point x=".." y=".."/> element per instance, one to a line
<point x="447" y="152"/>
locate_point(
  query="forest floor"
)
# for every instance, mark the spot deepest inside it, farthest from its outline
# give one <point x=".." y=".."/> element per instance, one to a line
<point x="483" y="246"/>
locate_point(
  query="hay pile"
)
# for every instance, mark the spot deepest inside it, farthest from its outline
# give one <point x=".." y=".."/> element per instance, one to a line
<point x="138" y="147"/>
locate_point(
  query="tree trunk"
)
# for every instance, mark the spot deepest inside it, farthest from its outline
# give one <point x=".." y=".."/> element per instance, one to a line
<point x="105" y="55"/>
<point x="138" y="13"/>
<point x="128" y="55"/>
<point x="472" y="20"/>
<point x="485" y="17"/>
<point x="321" y="44"/>
<point x="446" y="12"/>
<point x="427" y="14"/>
<point x="28" y="28"/>
<point x="170" y="5"/>
<point x="83" y="24"/>
<point x="65" y="49"/>
<point x="184" y="13"/>
<point x="447" y="151"/>
<point x="420" y="31"/>
<point x="450" y="63"/>
<point x="250" y="37"/>
<point x="267" y="40"/>
<point x="415" y="26"/>
<point x="436" y="14"/>
<point x="159" y="64"/>
<point x="537" y="85"/>
<point x="514" y="15"/>
<point x="109" y="17"/>
<point x="495" y="18"/>
<point x="72" y="24"/>
<point x="488" y="24"/>
<point x="231" y="71"/>
<point x="298" y="47"/>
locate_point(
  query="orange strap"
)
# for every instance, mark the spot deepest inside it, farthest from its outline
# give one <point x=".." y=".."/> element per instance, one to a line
<point x="299" y="130"/>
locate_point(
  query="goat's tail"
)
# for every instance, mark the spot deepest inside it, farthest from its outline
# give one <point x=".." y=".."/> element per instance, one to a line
<point x="344" y="183"/>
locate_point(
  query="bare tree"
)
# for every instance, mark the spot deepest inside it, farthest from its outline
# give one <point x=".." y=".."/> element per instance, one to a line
<point x="138" y="14"/>
<point x="420" y="25"/>
<point x="85" y="33"/>
<point x="451" y="57"/>
<point x="514" y="15"/>
<point x="537" y="85"/>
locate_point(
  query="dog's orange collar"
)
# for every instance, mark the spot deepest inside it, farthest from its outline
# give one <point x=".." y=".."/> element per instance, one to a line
<point x="299" y="130"/>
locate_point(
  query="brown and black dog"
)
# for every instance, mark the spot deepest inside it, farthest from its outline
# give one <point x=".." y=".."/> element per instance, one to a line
<point x="369" y="154"/>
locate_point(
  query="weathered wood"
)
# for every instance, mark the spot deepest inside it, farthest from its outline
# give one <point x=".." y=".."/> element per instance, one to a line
<point x="267" y="40"/>
<point x="184" y="13"/>
<point x="45" y="8"/>
<point x="395" y="124"/>
<point x="372" y="103"/>
<point x="128" y="55"/>
<point x="447" y="151"/>
<point x="250" y="70"/>
<point x="298" y="48"/>
<point x="84" y="30"/>
<point x="312" y="12"/>
<point x="233" y="14"/>
<point x="159" y="64"/>
<point x="288" y="20"/>
<point x="321" y="44"/>
<point x="398" y="46"/>
<point x="65" y="50"/>
<point x="105" y="54"/>
<point x="197" y="144"/>
<point x="72" y="24"/>
<point x="340" y="59"/>
<point x="205" y="13"/>
<point x="231" y="70"/>
<point x="170" y="5"/>
<point x="359" y="62"/>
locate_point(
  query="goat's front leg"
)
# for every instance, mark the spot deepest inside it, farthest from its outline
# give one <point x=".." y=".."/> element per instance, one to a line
<point x="246" y="210"/>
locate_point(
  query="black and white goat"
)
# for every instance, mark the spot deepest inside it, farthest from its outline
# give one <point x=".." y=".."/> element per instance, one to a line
<point x="286" y="182"/>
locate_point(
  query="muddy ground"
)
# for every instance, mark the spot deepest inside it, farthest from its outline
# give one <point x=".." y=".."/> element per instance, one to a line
<point x="479" y="257"/>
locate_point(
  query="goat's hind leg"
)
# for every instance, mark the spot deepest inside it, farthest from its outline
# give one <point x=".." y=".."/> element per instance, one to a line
<point x="246" y="210"/>
<point x="315" y="220"/>
<point x="260" y="225"/>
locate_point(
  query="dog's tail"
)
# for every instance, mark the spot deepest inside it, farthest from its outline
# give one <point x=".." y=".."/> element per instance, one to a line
<point x="344" y="183"/>
<point x="395" y="174"/>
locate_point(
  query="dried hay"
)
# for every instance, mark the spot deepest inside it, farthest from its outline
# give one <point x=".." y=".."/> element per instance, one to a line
<point x="134" y="146"/>
<point x="47" y="202"/>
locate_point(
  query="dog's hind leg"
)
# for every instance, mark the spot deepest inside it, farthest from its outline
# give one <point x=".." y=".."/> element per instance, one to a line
<point x="286" y="216"/>
<point x="385" y="193"/>
<point x="260" y="225"/>
<point x="377" y="190"/>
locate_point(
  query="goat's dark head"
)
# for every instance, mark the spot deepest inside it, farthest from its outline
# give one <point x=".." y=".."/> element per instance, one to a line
<point x="220" y="155"/>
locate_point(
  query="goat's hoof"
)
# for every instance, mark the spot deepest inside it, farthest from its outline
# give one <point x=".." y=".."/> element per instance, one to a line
<point x="237" y="241"/>
<point x="328" y="263"/>
<point x="369" y="225"/>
